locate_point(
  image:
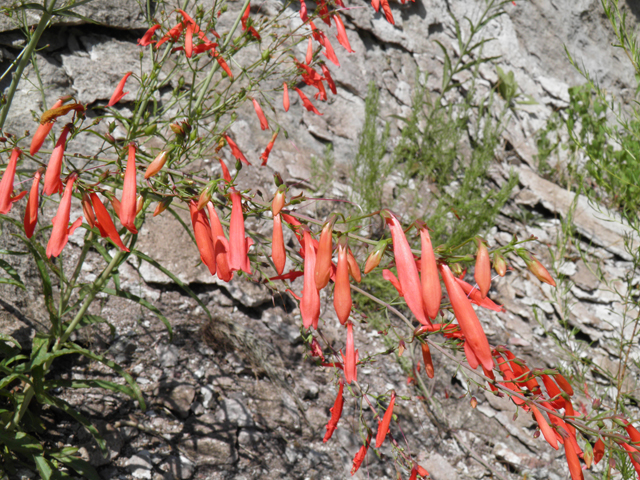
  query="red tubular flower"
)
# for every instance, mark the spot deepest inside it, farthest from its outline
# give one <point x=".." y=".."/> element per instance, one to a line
<point x="474" y="295"/>
<point x="329" y="52"/>
<point x="220" y="245"/>
<point x="336" y="412"/>
<point x="310" y="303"/>
<point x="633" y="433"/>
<point x="87" y="210"/>
<point x="354" y="268"/>
<point x="235" y="151"/>
<point x="430" y="281"/>
<point x="325" y="251"/>
<point x="418" y="470"/>
<point x="146" y="38"/>
<point x="157" y="164"/>
<point x="546" y="430"/>
<point x="172" y="34"/>
<point x="598" y="451"/>
<point x="61" y="230"/>
<point x="278" y="253"/>
<point x="482" y="272"/>
<point x="104" y="222"/>
<point x="472" y="359"/>
<point x="225" y="171"/>
<point x="351" y="359"/>
<point x="6" y="184"/>
<point x="188" y="40"/>
<point x="633" y="452"/>
<point x="383" y="426"/>
<point x="42" y="131"/>
<point x="428" y="361"/>
<point x="285" y="97"/>
<point x="309" y="57"/>
<point x="303" y="11"/>
<point x="329" y="79"/>
<point x="264" y="125"/>
<point x="553" y="391"/>
<point x="342" y="291"/>
<point x="267" y="151"/>
<point x="52" y="183"/>
<point x="387" y="11"/>
<point x="307" y="103"/>
<point x="390" y="277"/>
<point x="467" y="318"/>
<point x="31" y="213"/>
<point x="202" y="233"/>
<point x="407" y="270"/>
<point x="323" y="11"/>
<point x="573" y="461"/>
<point x="373" y="260"/>
<point x="117" y="93"/>
<point x="563" y="384"/>
<point x="129" y="197"/>
<point x="360" y="456"/>
<point x="342" y="34"/>
<point x="238" y="244"/>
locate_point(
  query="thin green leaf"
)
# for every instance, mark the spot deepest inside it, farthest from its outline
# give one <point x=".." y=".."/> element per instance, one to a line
<point x="10" y="270"/>
<point x="44" y="467"/>
<point x="93" y="320"/>
<point x="9" y="339"/>
<point x="20" y="442"/>
<point x="80" y="466"/>
<point x="114" y="387"/>
<point x="11" y="281"/>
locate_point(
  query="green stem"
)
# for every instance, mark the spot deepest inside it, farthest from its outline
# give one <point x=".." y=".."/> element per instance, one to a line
<point x="83" y="254"/>
<point x="216" y="65"/>
<point x="24" y="61"/>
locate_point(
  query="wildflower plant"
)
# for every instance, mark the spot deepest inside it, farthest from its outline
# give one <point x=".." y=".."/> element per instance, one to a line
<point x="217" y="60"/>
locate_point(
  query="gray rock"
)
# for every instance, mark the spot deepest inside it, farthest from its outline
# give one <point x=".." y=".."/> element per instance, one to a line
<point x="177" y="397"/>
<point x="216" y="450"/>
<point x="140" y="465"/>
<point x="168" y="355"/>
<point x="234" y="412"/>
<point x="439" y="468"/>
<point x="180" y="467"/>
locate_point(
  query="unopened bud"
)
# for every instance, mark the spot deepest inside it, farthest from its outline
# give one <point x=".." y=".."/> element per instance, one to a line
<point x="354" y="268"/>
<point x="535" y="267"/>
<point x="139" y="204"/>
<point x="373" y="260"/>
<point x="157" y="164"/>
<point x="499" y="264"/>
<point x="205" y="197"/>
<point x="278" y="200"/>
<point x="473" y="402"/>
<point x="177" y="129"/>
<point x="162" y="206"/>
<point x="87" y="209"/>
<point x="536" y="434"/>
<point x="401" y="348"/>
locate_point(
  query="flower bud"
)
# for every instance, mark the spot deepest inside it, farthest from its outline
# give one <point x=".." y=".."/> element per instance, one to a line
<point x="278" y="200"/>
<point x="499" y="264"/>
<point x="177" y="129"/>
<point x="473" y="402"/>
<point x="162" y="206"/>
<point x="157" y="164"/>
<point x="373" y="260"/>
<point x="139" y="204"/>
<point x="205" y="197"/>
<point x="535" y="267"/>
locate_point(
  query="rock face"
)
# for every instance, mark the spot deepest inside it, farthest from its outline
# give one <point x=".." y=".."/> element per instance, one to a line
<point x="247" y="403"/>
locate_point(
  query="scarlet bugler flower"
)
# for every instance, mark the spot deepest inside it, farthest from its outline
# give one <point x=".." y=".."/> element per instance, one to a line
<point x="267" y="151"/>
<point x="310" y="303"/>
<point x="104" y="223"/>
<point x="52" y="183"/>
<point x="129" y="198"/>
<point x="31" y="212"/>
<point x="342" y="34"/>
<point x="598" y="451"/>
<point x="278" y="252"/>
<point x="573" y="461"/>
<point x="482" y="272"/>
<point x="499" y="264"/>
<point x="309" y="56"/>
<point x="202" y="234"/>
<point x="546" y="430"/>
<point x="157" y="164"/>
<point x="350" y="360"/>
<point x="278" y="200"/>
<point x="354" y="268"/>
<point x="307" y="103"/>
<point x="235" y="151"/>
<point x="387" y="11"/>
<point x="220" y="245"/>
<point x="430" y="281"/>
<point x="336" y="412"/>
<point x="467" y="318"/>
<point x="407" y="270"/>
<point x="6" y="184"/>
<point x="42" y="131"/>
<point x="428" y="361"/>
<point x="61" y="230"/>
<point x="146" y="38"/>
<point x="117" y="93"/>
<point x="325" y="251"/>
<point x="329" y="78"/>
<point x="285" y="97"/>
<point x="264" y="124"/>
<point x="383" y="426"/>
<point x="360" y="455"/>
<point x="238" y="244"/>
<point x="342" y="292"/>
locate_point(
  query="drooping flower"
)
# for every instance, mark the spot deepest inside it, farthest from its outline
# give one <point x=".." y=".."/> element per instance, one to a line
<point x="245" y="19"/>
<point x="467" y="318"/>
<point x="220" y="245"/>
<point x="482" y="273"/>
<point x="188" y="40"/>
<point x="428" y="361"/>
<point x="328" y="51"/>
<point x="474" y="295"/>
<point x="31" y="212"/>
<point x="325" y="251"/>
<point x="553" y="391"/>
<point x="350" y="360"/>
<point x="563" y="384"/>
<point x="329" y="78"/>
<point x="156" y="165"/>
<point x="387" y="11"/>
<point x="235" y="151"/>
<point x="225" y="171"/>
<point x="278" y="252"/>
<point x="87" y="210"/>
<point x="264" y="124"/>
<point x="307" y="103"/>
<point x="573" y="462"/>
<point x="105" y="223"/>
<point x="42" y="131"/>
<point x="430" y="281"/>
<point x="336" y="412"/>
<point x="303" y="11"/>
<point x="390" y="277"/>
<point x="129" y="197"/>
<point x="383" y="426"/>
<point x="310" y="303"/>
<point x="407" y="270"/>
<point x="342" y="292"/>
<point x="146" y="38"/>
<point x="546" y="430"/>
<point x="354" y="268"/>
<point x="6" y="184"/>
<point x="342" y="34"/>
<point x="202" y="234"/>
<point x="309" y="56"/>
<point x="598" y="451"/>
<point x="52" y="182"/>
<point x="285" y="97"/>
<point x="360" y="456"/>
<point x="267" y="151"/>
<point x="238" y="244"/>
<point x="61" y="230"/>
<point x="117" y="93"/>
